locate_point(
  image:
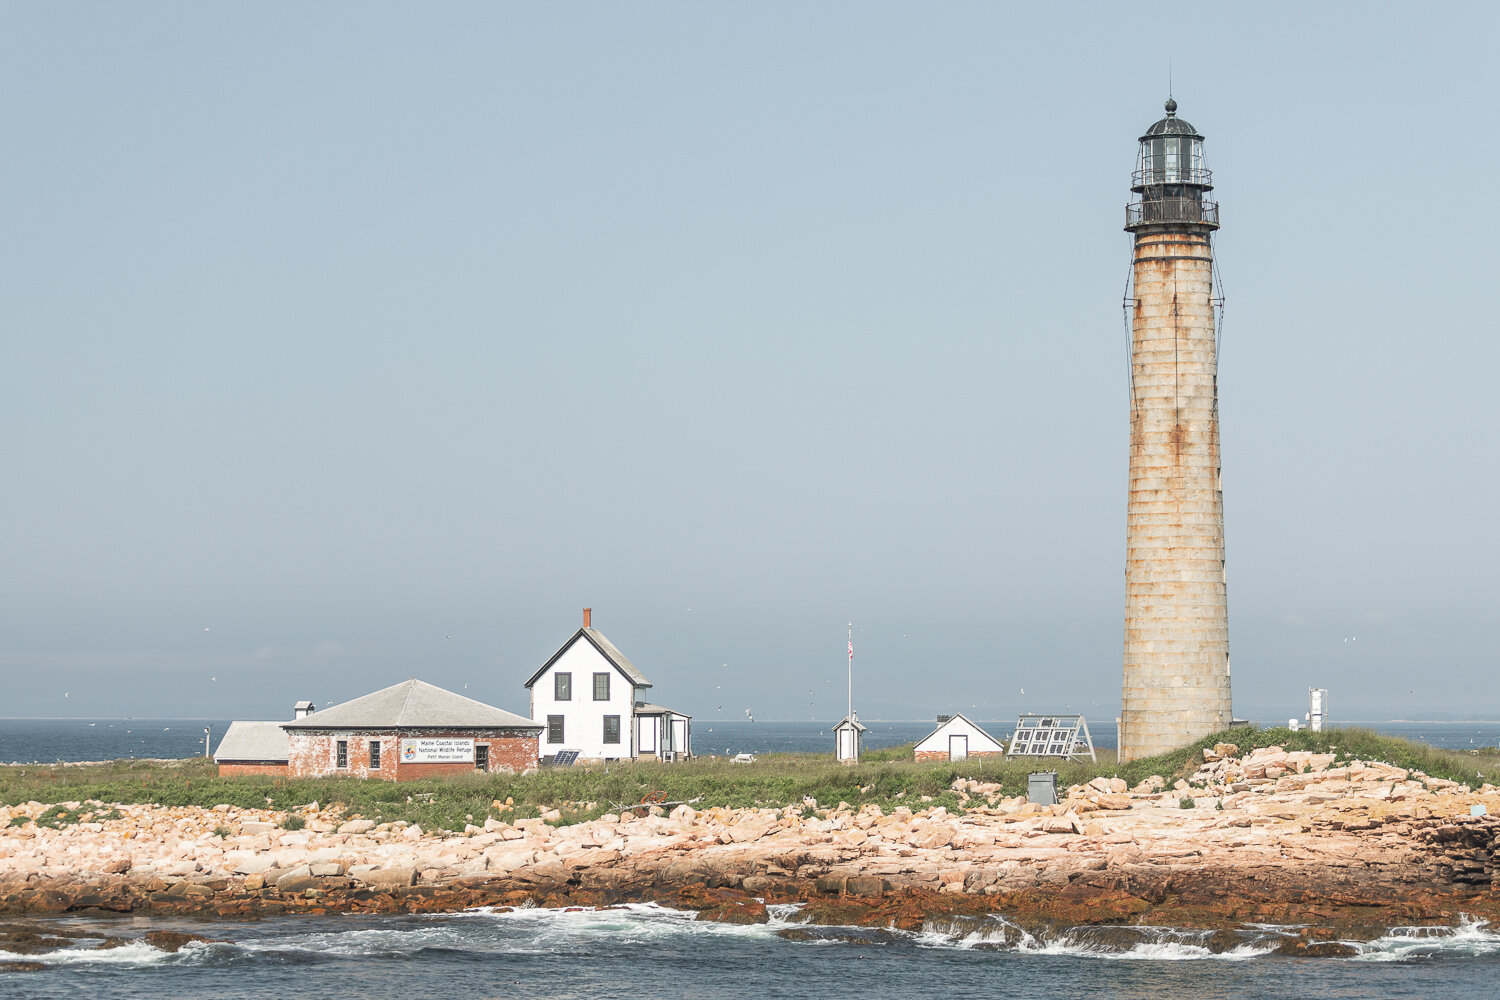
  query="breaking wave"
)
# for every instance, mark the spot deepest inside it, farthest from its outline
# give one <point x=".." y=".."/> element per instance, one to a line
<point x="133" y="955"/>
<point x="1470" y="938"/>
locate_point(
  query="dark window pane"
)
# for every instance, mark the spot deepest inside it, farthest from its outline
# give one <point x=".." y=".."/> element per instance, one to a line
<point x="375" y="755"/>
<point x="601" y="687"/>
<point x="481" y="758"/>
<point x="611" y="729"/>
<point x="554" y="729"/>
<point x="562" y="687"/>
<point x="342" y="754"/>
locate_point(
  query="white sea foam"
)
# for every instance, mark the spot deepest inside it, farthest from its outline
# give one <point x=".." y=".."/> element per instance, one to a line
<point x="1163" y="944"/>
<point x="542" y="931"/>
<point x="783" y="912"/>
<point x="519" y="931"/>
<point x="136" y="954"/>
<point x="535" y="929"/>
<point x="1469" y="938"/>
<point x="365" y="942"/>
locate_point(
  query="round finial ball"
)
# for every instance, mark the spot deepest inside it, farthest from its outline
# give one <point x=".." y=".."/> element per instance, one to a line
<point x="1171" y="106"/>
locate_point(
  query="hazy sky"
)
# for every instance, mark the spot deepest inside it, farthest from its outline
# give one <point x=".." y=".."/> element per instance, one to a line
<point x="350" y="342"/>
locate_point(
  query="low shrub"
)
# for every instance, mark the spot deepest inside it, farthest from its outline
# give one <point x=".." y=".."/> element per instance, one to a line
<point x="888" y="778"/>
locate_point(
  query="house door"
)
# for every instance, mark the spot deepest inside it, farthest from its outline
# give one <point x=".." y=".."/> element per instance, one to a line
<point x="958" y="747"/>
<point x="648" y="734"/>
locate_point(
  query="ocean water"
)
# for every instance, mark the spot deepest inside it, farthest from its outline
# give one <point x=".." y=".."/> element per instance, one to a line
<point x="50" y="740"/>
<point x="648" y="951"/>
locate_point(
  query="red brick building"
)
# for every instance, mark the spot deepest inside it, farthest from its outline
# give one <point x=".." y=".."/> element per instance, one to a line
<point x="407" y="731"/>
<point x="257" y="747"/>
<point x="252" y="748"/>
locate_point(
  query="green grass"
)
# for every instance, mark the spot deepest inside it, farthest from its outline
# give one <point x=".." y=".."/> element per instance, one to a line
<point x="888" y="778"/>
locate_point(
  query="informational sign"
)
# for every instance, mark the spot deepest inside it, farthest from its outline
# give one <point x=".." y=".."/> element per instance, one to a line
<point x="1051" y="736"/>
<point x="437" y="750"/>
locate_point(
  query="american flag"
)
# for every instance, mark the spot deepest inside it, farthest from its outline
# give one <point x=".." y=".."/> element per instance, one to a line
<point x="851" y="650"/>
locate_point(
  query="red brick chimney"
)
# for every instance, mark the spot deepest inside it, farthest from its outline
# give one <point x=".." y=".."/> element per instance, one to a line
<point x="588" y="616"/>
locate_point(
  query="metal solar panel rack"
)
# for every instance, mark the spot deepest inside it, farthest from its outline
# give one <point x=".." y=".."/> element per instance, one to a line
<point x="1051" y="736"/>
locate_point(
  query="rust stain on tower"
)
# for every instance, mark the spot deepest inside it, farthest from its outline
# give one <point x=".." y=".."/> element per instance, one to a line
<point x="1176" y="677"/>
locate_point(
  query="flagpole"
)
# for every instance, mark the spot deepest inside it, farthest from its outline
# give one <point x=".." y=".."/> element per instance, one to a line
<point x="851" y="670"/>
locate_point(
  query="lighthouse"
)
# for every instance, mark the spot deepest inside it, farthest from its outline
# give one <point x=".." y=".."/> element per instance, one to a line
<point x="1176" y="676"/>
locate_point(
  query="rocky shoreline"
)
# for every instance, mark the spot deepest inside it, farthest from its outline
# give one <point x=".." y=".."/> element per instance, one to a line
<point x="1337" y="852"/>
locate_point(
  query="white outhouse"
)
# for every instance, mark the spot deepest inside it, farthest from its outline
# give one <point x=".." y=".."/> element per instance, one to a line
<point x="956" y="738"/>
<point x="848" y="739"/>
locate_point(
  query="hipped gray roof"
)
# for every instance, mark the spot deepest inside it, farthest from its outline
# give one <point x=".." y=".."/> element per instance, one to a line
<point x="259" y="741"/>
<point x="606" y="648"/>
<point x="409" y="705"/>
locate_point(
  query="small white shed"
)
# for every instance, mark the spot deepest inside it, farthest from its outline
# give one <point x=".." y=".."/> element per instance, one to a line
<point x="848" y="737"/>
<point x="956" y="738"/>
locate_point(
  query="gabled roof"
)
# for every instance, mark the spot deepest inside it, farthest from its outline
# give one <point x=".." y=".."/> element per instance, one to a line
<point x="646" y="708"/>
<point x="851" y="721"/>
<point x="606" y="649"/>
<point x="949" y="721"/>
<point x="259" y="741"/>
<point x="412" y="704"/>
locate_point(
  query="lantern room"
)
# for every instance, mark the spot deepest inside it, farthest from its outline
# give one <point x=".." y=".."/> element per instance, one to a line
<point x="1171" y="183"/>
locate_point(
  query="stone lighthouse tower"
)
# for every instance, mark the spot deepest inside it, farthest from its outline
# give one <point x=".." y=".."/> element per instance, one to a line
<point x="1176" y="613"/>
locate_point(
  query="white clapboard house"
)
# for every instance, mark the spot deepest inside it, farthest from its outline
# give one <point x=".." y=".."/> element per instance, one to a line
<point x="590" y="698"/>
<point x="956" y="738"/>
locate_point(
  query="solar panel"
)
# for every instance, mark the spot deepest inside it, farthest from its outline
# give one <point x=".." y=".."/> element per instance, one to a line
<point x="565" y="758"/>
<point x="1051" y="736"/>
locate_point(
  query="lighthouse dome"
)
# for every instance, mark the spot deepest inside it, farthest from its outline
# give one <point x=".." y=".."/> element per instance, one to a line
<point x="1171" y="125"/>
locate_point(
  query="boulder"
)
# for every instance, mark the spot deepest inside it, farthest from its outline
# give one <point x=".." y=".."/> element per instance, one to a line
<point x="258" y="865"/>
<point x="172" y="940"/>
<point x="386" y="878"/>
<point x="297" y="874"/>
